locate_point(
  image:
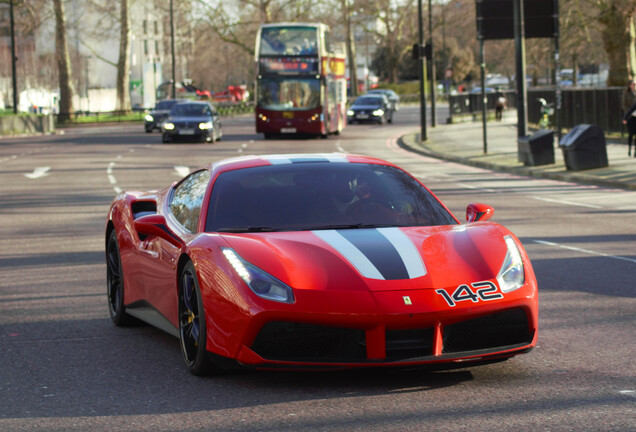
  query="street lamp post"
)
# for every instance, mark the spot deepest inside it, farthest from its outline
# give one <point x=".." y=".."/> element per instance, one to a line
<point x="420" y="64"/>
<point x="174" y="81"/>
<point x="432" y="63"/>
<point x="13" y="59"/>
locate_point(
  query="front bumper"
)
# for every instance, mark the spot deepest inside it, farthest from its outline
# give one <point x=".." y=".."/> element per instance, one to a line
<point x="188" y="135"/>
<point x="364" y="117"/>
<point x="383" y="331"/>
<point x="285" y="344"/>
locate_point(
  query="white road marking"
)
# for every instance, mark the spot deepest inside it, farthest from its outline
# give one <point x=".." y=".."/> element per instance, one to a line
<point x="181" y="170"/>
<point x="566" y="202"/>
<point x="473" y="187"/>
<point x="111" y="176"/>
<point x="586" y="251"/>
<point x="38" y="172"/>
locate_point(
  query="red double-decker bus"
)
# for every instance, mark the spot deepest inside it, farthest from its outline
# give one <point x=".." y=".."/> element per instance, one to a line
<point x="301" y="86"/>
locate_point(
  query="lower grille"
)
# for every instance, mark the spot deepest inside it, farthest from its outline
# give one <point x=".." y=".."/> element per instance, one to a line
<point x="307" y="342"/>
<point x="501" y="329"/>
<point x="409" y="344"/>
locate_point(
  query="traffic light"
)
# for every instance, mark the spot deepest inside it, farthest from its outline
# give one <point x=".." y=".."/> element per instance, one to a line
<point x="421" y="51"/>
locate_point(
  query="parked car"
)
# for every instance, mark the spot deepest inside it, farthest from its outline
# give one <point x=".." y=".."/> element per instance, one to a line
<point x="159" y="113"/>
<point x="393" y="97"/>
<point x="194" y="121"/>
<point x="370" y="108"/>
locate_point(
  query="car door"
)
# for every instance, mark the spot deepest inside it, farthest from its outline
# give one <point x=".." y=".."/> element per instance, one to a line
<point x="183" y="211"/>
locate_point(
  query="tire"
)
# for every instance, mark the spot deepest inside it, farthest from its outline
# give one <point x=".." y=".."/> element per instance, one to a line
<point x="192" y="327"/>
<point x="165" y="139"/>
<point x="115" y="283"/>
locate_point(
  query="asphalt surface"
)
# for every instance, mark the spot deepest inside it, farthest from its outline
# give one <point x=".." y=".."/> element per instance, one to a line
<point x="464" y="143"/>
<point x="65" y="367"/>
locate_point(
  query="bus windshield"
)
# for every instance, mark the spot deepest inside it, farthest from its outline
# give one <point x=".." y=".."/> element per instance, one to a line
<point x="288" y="94"/>
<point x="288" y="40"/>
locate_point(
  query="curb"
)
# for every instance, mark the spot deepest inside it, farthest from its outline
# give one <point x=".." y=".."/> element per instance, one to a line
<point x="403" y="142"/>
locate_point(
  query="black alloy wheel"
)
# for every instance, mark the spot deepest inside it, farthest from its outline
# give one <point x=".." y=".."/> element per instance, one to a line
<point x="192" y="328"/>
<point x="115" y="283"/>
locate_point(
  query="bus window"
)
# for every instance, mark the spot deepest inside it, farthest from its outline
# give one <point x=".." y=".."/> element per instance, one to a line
<point x="288" y="94"/>
<point x="289" y="41"/>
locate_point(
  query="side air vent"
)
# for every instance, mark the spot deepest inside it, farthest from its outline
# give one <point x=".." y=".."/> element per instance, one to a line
<point x="143" y="208"/>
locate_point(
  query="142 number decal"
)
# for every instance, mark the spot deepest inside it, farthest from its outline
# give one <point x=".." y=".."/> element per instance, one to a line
<point x="480" y="291"/>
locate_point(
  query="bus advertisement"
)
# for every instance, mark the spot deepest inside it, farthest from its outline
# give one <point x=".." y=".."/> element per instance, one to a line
<point x="301" y="86"/>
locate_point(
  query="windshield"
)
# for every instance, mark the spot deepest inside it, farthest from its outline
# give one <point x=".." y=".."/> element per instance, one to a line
<point x="165" y="105"/>
<point x="190" y="110"/>
<point x="289" y="94"/>
<point x="315" y="196"/>
<point x="370" y="100"/>
<point x="291" y="40"/>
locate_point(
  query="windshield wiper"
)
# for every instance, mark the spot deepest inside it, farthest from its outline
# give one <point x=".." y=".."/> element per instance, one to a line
<point x="247" y="229"/>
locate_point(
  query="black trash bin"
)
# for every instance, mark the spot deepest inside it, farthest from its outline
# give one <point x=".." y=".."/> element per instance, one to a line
<point x="584" y="148"/>
<point x="536" y="149"/>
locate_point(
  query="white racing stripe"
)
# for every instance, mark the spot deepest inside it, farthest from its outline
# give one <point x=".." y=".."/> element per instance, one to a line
<point x="350" y="253"/>
<point x="182" y="171"/>
<point x="407" y="250"/>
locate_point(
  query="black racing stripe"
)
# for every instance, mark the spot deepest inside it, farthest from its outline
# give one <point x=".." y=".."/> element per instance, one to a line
<point x="379" y="250"/>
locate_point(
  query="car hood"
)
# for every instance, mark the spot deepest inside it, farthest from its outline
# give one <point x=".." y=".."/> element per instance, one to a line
<point x="377" y="259"/>
<point x="192" y="119"/>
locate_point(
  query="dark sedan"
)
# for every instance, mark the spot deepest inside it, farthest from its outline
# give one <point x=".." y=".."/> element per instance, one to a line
<point x="192" y="121"/>
<point x="393" y="97"/>
<point x="370" y="108"/>
<point x="159" y="113"/>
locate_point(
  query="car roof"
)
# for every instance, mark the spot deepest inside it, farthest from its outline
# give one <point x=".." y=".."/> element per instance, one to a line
<point x="282" y="159"/>
<point x="372" y="95"/>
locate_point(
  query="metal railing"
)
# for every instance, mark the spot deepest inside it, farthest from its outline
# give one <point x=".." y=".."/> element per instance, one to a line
<point x="599" y="106"/>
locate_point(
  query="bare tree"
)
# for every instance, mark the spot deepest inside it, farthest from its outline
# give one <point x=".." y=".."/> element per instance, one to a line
<point x="347" y="9"/>
<point x="123" y="64"/>
<point x="617" y="26"/>
<point x="63" y="63"/>
<point x="394" y="17"/>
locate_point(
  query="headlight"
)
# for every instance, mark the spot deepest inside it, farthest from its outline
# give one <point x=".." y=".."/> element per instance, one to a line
<point x="378" y="112"/>
<point x="168" y="126"/>
<point x="206" y="125"/>
<point x="350" y="113"/>
<point x="512" y="275"/>
<point x="149" y="118"/>
<point x="260" y="282"/>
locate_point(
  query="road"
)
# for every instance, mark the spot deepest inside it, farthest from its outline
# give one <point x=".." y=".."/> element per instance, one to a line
<point x="64" y="366"/>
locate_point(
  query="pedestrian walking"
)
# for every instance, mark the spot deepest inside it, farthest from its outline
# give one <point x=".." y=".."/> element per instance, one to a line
<point x="628" y="104"/>
<point x="500" y="105"/>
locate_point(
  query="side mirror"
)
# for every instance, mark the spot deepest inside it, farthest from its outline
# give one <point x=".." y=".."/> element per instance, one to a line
<point x="155" y="225"/>
<point x="478" y="212"/>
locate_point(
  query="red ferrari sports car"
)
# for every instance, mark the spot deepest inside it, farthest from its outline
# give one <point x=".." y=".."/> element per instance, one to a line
<point x="317" y="261"/>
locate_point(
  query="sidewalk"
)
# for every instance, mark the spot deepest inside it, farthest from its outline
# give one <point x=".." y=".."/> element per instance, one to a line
<point x="463" y="143"/>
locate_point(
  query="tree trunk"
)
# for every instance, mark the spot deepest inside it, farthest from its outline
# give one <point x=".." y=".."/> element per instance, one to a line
<point x="351" y="49"/>
<point x="617" y="21"/>
<point x="63" y="63"/>
<point x="123" y="64"/>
